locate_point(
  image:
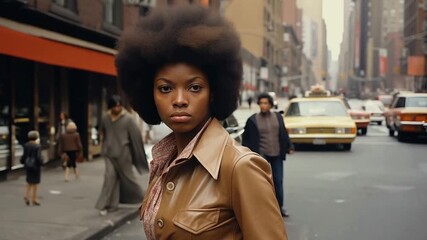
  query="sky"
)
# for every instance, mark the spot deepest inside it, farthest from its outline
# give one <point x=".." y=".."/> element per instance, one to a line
<point x="333" y="15"/>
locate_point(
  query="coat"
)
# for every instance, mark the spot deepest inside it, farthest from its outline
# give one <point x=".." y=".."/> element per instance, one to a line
<point x="122" y="147"/>
<point x="122" y="139"/>
<point x="250" y="136"/>
<point x="32" y="149"/>
<point x="224" y="191"/>
<point x="70" y="141"/>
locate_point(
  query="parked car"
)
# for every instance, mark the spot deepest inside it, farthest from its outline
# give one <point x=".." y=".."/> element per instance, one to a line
<point x="275" y="103"/>
<point x="319" y="120"/>
<point x="358" y="114"/>
<point x="385" y="99"/>
<point x="376" y="109"/>
<point x="232" y="126"/>
<point x="407" y="115"/>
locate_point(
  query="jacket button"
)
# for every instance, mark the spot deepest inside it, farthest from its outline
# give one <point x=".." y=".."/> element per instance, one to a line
<point x="160" y="223"/>
<point x="170" y="186"/>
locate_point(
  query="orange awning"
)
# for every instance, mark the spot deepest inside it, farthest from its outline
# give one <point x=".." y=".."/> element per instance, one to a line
<point x="22" y="45"/>
<point x="248" y="86"/>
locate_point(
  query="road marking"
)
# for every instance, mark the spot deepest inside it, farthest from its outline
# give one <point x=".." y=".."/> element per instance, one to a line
<point x="339" y="201"/>
<point x="333" y="176"/>
<point x="377" y="134"/>
<point x="55" y="192"/>
<point x="392" y="188"/>
<point x="376" y="143"/>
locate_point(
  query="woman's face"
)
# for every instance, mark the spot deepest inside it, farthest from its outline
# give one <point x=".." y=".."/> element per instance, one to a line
<point x="182" y="96"/>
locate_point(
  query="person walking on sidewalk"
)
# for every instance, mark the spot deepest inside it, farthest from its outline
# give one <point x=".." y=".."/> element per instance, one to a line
<point x="61" y="128"/>
<point x="122" y="147"/>
<point x="250" y="102"/>
<point x="182" y="66"/>
<point x="265" y="133"/>
<point x="71" y="148"/>
<point x="32" y="161"/>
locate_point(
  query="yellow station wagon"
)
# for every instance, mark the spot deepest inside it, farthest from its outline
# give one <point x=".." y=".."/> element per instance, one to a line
<point x="319" y="121"/>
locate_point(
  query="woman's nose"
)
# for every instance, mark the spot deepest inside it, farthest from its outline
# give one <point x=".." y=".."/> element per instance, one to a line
<point x="180" y="98"/>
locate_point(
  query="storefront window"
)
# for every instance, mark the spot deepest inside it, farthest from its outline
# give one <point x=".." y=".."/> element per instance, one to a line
<point x="43" y="111"/>
<point x="24" y="104"/>
<point x="4" y="114"/>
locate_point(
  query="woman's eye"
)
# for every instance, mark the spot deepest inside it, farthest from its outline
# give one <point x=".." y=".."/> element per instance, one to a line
<point x="195" y="88"/>
<point x="165" y="89"/>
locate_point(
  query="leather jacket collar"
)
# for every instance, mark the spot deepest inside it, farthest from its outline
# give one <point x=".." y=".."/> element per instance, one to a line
<point x="210" y="148"/>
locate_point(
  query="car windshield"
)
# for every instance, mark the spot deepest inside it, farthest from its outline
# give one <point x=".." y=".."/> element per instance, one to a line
<point x="416" y="102"/>
<point x="374" y="106"/>
<point x="316" y="108"/>
<point x="385" y="99"/>
<point x="355" y="104"/>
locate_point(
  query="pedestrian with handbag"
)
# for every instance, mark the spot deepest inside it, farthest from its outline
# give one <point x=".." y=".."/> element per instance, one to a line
<point x="32" y="161"/>
<point x="71" y="149"/>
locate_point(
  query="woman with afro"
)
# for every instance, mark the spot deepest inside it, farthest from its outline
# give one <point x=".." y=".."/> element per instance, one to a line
<point x="182" y="66"/>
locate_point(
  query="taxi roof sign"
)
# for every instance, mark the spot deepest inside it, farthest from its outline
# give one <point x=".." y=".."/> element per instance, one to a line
<point x="317" y="91"/>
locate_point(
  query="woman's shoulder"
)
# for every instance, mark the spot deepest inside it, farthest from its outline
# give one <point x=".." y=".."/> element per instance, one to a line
<point x="239" y="154"/>
<point x="31" y="145"/>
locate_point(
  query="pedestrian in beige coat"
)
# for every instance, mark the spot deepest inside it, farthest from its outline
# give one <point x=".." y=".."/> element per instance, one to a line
<point x="71" y="149"/>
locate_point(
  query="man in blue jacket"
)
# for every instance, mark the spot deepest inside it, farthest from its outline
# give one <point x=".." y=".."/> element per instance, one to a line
<point x="265" y="134"/>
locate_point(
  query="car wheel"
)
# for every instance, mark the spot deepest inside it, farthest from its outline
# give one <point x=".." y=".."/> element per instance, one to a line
<point x="391" y="132"/>
<point x="347" y="146"/>
<point x="364" y="131"/>
<point x="401" y="136"/>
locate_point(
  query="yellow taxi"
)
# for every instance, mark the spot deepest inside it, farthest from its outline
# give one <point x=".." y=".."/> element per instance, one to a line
<point x="319" y="119"/>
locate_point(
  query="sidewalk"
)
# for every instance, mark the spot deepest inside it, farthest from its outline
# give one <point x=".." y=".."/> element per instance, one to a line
<point x="67" y="209"/>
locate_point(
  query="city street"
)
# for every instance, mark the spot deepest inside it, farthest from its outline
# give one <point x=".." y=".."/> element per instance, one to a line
<point x="375" y="191"/>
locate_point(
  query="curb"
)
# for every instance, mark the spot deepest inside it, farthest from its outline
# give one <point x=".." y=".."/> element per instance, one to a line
<point x="112" y="222"/>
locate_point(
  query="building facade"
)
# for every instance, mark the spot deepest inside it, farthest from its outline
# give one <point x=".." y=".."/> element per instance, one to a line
<point x="415" y="28"/>
<point x="293" y="82"/>
<point x="261" y="32"/>
<point x="313" y="36"/>
<point x="58" y="56"/>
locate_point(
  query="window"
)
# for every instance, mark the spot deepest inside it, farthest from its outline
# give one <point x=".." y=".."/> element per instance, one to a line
<point x="143" y="10"/>
<point x="113" y="13"/>
<point x="400" y="102"/>
<point x="417" y="102"/>
<point x="68" y="4"/>
<point x="316" y="108"/>
<point x="145" y="7"/>
<point x="65" y="8"/>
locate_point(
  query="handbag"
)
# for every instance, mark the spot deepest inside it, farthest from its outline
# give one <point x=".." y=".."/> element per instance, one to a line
<point x="30" y="163"/>
<point x="80" y="158"/>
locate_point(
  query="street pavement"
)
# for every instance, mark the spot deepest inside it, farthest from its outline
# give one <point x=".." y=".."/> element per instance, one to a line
<point x="375" y="191"/>
<point x="67" y="208"/>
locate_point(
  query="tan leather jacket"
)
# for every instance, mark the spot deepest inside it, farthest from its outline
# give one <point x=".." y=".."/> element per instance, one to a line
<point x="224" y="191"/>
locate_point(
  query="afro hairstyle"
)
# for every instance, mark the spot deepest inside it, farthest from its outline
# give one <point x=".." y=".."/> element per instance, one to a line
<point x="188" y="34"/>
<point x="266" y="95"/>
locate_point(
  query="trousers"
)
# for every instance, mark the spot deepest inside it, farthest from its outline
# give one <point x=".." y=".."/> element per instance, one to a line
<point x="277" y="165"/>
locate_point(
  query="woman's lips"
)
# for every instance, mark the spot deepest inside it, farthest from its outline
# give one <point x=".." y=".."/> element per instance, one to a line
<point x="180" y="118"/>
